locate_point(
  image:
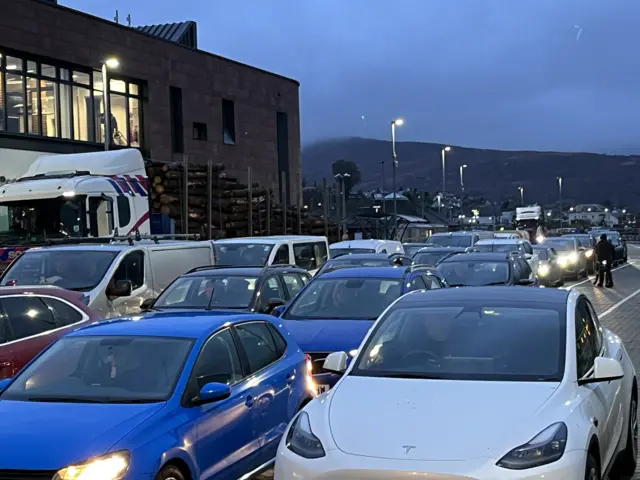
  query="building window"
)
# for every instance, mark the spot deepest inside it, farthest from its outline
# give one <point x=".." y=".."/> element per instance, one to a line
<point x="228" y="122"/>
<point x="175" y="114"/>
<point x="199" y="131"/>
<point x="49" y="100"/>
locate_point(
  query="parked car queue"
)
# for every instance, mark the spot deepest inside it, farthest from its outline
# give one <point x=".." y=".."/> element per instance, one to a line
<point x="255" y="354"/>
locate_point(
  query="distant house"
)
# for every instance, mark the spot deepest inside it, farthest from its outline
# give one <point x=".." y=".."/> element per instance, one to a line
<point x="592" y="213"/>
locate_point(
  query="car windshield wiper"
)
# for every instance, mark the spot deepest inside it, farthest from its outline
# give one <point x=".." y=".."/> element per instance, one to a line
<point x="65" y="400"/>
<point x="425" y="376"/>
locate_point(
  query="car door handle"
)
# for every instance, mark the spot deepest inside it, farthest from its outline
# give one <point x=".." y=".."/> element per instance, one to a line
<point x="291" y="377"/>
<point x="249" y="401"/>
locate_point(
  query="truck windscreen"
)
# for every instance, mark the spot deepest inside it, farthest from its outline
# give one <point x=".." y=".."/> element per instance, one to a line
<point x="46" y="218"/>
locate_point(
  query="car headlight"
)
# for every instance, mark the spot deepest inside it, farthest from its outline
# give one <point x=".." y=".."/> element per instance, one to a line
<point x="301" y="440"/>
<point x="540" y="238"/>
<point x="572" y="257"/>
<point x="543" y="270"/>
<point x="588" y="253"/>
<point x="546" y="447"/>
<point x="562" y="261"/>
<point x="112" y="466"/>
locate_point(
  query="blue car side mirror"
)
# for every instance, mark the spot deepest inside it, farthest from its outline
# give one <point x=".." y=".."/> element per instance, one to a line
<point x="4" y="383"/>
<point x="276" y="312"/>
<point x="213" y="392"/>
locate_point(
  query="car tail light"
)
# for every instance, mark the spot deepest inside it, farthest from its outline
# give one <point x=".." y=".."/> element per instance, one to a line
<point x="309" y="364"/>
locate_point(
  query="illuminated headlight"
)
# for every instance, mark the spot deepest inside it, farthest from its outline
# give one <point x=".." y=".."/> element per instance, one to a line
<point x="540" y="238"/>
<point x="572" y="257"/>
<point x="562" y="261"/>
<point x="543" y="270"/>
<point x="588" y="253"/>
<point x="108" y="467"/>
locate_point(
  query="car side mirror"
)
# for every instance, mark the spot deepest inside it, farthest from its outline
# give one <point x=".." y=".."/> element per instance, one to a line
<point x="146" y="304"/>
<point x="4" y="383"/>
<point x="278" y="311"/>
<point x="121" y="288"/>
<point x="212" y="392"/>
<point x="605" y="370"/>
<point x="273" y="303"/>
<point x="336" y="362"/>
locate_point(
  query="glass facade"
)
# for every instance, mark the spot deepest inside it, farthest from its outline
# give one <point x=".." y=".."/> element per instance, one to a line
<point x="40" y="98"/>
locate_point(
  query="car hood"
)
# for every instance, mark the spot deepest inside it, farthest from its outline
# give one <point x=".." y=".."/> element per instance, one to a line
<point x="328" y="335"/>
<point x="50" y="436"/>
<point x="443" y="420"/>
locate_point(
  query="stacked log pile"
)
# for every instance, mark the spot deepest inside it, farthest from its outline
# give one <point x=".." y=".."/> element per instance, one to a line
<point x="230" y="204"/>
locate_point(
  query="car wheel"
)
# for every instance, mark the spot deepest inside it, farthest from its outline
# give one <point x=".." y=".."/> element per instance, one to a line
<point x="170" y="472"/>
<point x="628" y="459"/>
<point x="592" y="471"/>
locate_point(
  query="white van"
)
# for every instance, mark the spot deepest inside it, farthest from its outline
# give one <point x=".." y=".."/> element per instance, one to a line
<point x="366" y="246"/>
<point x="308" y="252"/>
<point x="115" y="277"/>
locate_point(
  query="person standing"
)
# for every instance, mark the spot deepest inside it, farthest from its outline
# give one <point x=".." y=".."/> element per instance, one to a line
<point x="605" y="254"/>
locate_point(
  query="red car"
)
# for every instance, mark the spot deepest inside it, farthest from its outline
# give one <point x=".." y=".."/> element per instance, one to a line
<point x="33" y="318"/>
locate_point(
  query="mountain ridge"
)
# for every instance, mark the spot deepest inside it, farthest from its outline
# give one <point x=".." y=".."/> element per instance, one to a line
<point x="494" y="174"/>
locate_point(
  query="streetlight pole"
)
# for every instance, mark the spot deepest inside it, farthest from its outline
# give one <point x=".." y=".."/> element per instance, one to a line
<point x="462" y="167"/>
<point x="398" y="122"/>
<point x="521" y="196"/>
<point x="341" y="179"/>
<point x="444" y="156"/>
<point x="560" y="198"/>
<point x="384" y="202"/>
<point x="106" y="65"/>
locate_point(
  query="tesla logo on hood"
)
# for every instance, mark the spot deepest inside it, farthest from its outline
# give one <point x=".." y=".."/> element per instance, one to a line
<point x="408" y="448"/>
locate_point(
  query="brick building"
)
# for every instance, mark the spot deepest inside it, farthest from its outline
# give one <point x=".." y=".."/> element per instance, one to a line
<point x="167" y="97"/>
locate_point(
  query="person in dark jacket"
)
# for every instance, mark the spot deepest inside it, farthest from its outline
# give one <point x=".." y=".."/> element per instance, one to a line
<point x="605" y="252"/>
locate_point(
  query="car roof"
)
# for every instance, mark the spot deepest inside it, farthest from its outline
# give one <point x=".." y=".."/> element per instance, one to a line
<point x="270" y="240"/>
<point x="185" y="324"/>
<point x="363" y="256"/>
<point x="479" y="256"/>
<point x="489" y="294"/>
<point x="452" y="234"/>
<point x="368" y="243"/>
<point x="51" y="290"/>
<point x="240" y="271"/>
<point x="367" y="272"/>
<point x="441" y="250"/>
<point x="500" y="241"/>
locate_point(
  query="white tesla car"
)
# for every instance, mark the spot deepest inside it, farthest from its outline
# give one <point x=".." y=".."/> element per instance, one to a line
<point x="476" y="383"/>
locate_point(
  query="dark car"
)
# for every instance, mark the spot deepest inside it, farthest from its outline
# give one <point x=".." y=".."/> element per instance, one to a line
<point x="550" y="272"/>
<point x="412" y="248"/>
<point x="33" y="318"/>
<point x="249" y="289"/>
<point x="337" y="309"/>
<point x="588" y="242"/>
<point x="432" y="255"/>
<point x="356" y="260"/>
<point x="571" y="256"/>
<point x="484" y="269"/>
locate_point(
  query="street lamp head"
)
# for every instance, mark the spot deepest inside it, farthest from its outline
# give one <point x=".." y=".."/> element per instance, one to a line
<point x="398" y="122"/>
<point x="447" y="149"/>
<point x="112" y="62"/>
<point x="464" y="166"/>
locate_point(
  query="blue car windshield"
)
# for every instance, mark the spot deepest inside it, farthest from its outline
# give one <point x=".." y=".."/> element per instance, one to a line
<point x="103" y="369"/>
<point x="344" y="299"/>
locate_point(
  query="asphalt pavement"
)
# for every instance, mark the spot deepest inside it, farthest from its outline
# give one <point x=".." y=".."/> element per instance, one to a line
<point x="618" y="309"/>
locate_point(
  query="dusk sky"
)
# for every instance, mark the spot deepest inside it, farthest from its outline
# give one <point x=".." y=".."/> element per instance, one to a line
<point x="511" y="74"/>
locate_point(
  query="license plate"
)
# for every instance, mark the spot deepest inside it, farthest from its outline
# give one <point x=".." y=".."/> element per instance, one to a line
<point x="322" y="389"/>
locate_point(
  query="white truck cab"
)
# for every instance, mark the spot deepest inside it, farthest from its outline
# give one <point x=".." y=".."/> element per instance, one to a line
<point x="77" y="195"/>
<point x="305" y="251"/>
<point x="366" y="246"/>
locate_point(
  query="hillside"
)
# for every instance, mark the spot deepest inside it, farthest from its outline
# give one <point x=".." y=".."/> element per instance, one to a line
<point x="495" y="174"/>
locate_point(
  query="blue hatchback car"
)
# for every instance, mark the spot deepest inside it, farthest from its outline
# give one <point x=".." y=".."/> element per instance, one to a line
<point x="334" y="312"/>
<point x="177" y="396"/>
